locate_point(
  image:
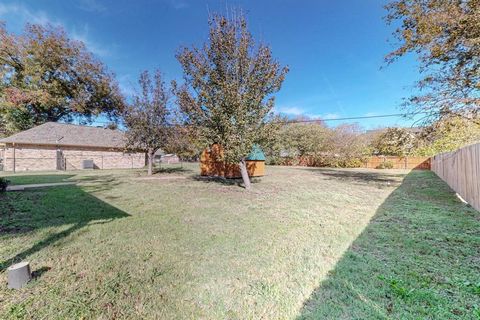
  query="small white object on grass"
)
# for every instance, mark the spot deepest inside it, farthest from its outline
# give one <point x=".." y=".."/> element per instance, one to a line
<point x="461" y="199"/>
<point x="18" y="275"/>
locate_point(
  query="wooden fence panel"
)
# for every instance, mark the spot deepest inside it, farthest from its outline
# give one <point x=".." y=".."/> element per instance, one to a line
<point x="421" y="163"/>
<point x="461" y="171"/>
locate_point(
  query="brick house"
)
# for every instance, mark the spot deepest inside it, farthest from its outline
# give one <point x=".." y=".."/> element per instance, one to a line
<point x="58" y="146"/>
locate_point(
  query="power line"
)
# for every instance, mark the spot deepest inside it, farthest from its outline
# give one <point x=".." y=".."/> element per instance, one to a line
<point x="403" y="115"/>
<point x="358" y="118"/>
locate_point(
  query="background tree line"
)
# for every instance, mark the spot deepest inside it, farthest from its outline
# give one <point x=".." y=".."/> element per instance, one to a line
<point x="348" y="145"/>
<point x="315" y="144"/>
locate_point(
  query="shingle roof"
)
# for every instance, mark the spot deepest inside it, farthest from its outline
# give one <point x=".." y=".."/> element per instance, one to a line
<point x="60" y="134"/>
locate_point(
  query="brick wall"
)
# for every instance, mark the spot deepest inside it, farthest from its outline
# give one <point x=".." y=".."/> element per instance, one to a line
<point x="44" y="158"/>
<point x="30" y="158"/>
<point x="102" y="159"/>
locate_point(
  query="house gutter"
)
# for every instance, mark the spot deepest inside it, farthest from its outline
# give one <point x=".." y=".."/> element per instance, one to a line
<point x="70" y="145"/>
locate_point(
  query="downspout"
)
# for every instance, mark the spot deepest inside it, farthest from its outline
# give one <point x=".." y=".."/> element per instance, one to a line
<point x="14" y="158"/>
<point x="60" y="162"/>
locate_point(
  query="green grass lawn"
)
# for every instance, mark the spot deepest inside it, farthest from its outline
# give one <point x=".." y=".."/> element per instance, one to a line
<point x="304" y="244"/>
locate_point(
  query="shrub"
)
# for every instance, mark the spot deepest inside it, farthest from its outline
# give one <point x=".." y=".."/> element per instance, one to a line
<point x="353" y="163"/>
<point x="4" y="184"/>
<point x="385" y="165"/>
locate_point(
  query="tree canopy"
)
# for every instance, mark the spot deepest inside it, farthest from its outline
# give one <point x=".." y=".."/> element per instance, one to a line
<point x="46" y="76"/>
<point x="147" y="117"/>
<point x="446" y="37"/>
<point x="448" y="135"/>
<point x="229" y="87"/>
<point x="394" y="142"/>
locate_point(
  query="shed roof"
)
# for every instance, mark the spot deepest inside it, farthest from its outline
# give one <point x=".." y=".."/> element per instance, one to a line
<point x="60" y="134"/>
<point x="256" y="154"/>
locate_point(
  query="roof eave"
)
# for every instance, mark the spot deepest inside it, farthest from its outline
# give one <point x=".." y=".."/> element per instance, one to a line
<point x="60" y="145"/>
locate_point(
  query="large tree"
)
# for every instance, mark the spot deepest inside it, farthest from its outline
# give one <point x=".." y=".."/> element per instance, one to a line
<point x="394" y="142"/>
<point x="229" y="87"/>
<point x="446" y="36"/>
<point x="46" y="76"/>
<point x="147" y="118"/>
<point x="184" y="141"/>
<point x="305" y="139"/>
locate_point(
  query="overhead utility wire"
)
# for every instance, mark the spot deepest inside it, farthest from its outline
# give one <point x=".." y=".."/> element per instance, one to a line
<point x="358" y="118"/>
<point x="336" y="119"/>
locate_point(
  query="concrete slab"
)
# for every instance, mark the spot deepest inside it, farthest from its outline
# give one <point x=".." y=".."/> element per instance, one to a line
<point x="39" y="185"/>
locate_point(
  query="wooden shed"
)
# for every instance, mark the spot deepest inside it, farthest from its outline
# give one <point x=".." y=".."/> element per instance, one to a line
<point x="212" y="165"/>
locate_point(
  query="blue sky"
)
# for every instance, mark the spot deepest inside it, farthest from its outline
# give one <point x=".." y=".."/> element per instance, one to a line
<point x="334" y="49"/>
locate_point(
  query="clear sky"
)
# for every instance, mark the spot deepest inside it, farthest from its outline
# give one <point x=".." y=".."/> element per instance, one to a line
<point x="334" y="49"/>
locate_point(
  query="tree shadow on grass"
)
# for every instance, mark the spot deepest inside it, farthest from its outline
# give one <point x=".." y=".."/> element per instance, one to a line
<point x="98" y="183"/>
<point x="223" y="181"/>
<point x="381" y="178"/>
<point x="418" y="258"/>
<point x="32" y="210"/>
<point x="169" y="170"/>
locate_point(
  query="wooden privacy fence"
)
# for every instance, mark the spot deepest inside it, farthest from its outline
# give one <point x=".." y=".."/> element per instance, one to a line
<point x="422" y="163"/>
<point x="461" y="171"/>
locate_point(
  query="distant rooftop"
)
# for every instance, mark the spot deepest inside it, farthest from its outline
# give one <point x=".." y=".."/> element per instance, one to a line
<point x="60" y="134"/>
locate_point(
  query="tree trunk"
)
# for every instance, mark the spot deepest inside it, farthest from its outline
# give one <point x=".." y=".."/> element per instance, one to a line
<point x="244" y="172"/>
<point x="150" y="162"/>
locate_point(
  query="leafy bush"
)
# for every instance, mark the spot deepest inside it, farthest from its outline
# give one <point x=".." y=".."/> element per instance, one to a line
<point x="352" y="163"/>
<point x="385" y="165"/>
<point x="4" y="184"/>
